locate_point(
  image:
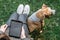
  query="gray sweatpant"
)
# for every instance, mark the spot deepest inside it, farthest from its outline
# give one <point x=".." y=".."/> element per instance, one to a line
<point x="22" y="18"/>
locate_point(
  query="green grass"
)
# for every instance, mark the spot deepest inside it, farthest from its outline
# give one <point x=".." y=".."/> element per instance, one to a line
<point x="52" y="25"/>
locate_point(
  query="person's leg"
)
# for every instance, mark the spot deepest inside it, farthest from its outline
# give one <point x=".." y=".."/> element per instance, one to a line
<point x="25" y="32"/>
<point x="19" y="11"/>
<point x="14" y="16"/>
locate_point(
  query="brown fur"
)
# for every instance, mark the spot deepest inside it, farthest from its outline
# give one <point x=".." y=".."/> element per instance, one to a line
<point x="4" y="37"/>
<point x="46" y="11"/>
<point x="36" y="25"/>
<point x="41" y="15"/>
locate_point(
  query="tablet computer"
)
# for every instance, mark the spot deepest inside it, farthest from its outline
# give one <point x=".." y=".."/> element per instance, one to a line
<point x="15" y="28"/>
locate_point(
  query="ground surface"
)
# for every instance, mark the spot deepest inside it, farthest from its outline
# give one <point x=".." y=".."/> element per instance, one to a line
<point x="52" y="25"/>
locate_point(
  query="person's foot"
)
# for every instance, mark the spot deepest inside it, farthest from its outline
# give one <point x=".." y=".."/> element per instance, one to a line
<point x="3" y="28"/>
<point x="26" y="9"/>
<point x="20" y="9"/>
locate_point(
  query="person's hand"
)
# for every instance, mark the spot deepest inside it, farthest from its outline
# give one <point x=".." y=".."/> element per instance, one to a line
<point x="3" y="27"/>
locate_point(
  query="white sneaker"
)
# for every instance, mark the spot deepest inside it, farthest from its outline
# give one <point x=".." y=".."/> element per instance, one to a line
<point x="26" y="9"/>
<point x="20" y="9"/>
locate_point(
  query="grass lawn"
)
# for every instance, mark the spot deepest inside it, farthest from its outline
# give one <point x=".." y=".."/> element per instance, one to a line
<point x="52" y="25"/>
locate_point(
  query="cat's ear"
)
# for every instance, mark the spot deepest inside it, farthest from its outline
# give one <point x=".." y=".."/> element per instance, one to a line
<point x="44" y="5"/>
